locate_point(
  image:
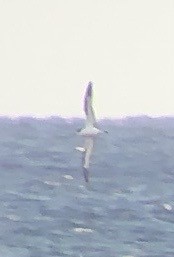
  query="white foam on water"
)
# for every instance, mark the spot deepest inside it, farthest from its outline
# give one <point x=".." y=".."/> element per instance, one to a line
<point x="12" y="217"/>
<point x="128" y="255"/>
<point x="31" y="196"/>
<point x="52" y="183"/>
<point x="43" y="218"/>
<point x="68" y="177"/>
<point x="81" y="186"/>
<point x="168" y="207"/>
<point x="117" y="192"/>
<point x="38" y="197"/>
<point x="12" y="192"/>
<point x="83" y="230"/>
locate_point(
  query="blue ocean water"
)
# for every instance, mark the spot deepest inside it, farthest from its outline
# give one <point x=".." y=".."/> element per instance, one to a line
<point x="46" y="209"/>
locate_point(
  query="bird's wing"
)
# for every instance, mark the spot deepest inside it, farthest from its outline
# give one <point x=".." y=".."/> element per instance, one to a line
<point x="88" y="108"/>
<point x="89" y="143"/>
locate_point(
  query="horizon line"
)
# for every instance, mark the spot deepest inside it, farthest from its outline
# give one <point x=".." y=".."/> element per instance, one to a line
<point x="120" y="117"/>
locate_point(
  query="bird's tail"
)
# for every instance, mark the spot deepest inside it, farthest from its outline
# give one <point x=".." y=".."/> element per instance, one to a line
<point x="80" y="149"/>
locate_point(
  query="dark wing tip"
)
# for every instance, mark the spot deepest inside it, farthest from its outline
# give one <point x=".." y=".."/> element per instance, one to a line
<point x="86" y="174"/>
<point x="89" y="89"/>
<point x="87" y="94"/>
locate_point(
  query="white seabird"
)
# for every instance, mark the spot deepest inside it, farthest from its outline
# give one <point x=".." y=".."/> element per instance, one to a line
<point x="90" y="131"/>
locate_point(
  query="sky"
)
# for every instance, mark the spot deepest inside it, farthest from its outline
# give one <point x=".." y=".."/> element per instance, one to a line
<point x="50" y="49"/>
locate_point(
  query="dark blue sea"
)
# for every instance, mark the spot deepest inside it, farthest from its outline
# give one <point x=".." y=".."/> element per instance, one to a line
<point x="46" y="208"/>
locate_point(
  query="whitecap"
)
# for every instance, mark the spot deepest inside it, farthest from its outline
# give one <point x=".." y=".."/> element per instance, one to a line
<point x="68" y="177"/>
<point x="168" y="207"/>
<point x="12" y="217"/>
<point x="52" y="183"/>
<point x="35" y="197"/>
<point x="30" y="196"/>
<point x="43" y="218"/>
<point x="83" y="230"/>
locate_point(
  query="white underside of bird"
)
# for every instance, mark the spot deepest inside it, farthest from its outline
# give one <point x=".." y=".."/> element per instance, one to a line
<point x="89" y="132"/>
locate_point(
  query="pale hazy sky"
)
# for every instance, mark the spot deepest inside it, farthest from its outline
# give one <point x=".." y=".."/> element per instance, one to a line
<point x="50" y="49"/>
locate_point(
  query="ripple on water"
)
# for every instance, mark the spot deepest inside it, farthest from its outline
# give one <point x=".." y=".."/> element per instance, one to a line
<point x="69" y="177"/>
<point x="35" y="197"/>
<point x="29" y="196"/>
<point x="163" y="212"/>
<point x="52" y="183"/>
<point x="43" y="218"/>
<point x="128" y="256"/>
<point x="13" y="217"/>
<point x="83" y="230"/>
<point x="13" y="251"/>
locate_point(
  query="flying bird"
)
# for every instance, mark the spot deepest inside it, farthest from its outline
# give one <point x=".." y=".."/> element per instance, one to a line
<point x="90" y="131"/>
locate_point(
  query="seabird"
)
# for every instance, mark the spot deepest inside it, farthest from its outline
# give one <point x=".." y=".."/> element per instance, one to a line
<point x="90" y="131"/>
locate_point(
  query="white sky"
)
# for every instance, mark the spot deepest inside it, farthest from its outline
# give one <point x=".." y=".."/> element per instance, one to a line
<point x="50" y="49"/>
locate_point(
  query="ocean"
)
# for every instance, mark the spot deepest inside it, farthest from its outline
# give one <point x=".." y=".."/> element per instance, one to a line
<point x="47" y="209"/>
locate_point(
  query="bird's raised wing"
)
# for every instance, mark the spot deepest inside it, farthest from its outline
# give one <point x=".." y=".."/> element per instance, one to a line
<point x="89" y="143"/>
<point x="88" y="108"/>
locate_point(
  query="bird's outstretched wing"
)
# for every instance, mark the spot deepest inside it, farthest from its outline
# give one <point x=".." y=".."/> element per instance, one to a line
<point x="88" y="108"/>
<point x="89" y="143"/>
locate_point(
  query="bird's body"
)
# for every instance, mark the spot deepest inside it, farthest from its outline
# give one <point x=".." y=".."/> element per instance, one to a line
<point x="89" y="133"/>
